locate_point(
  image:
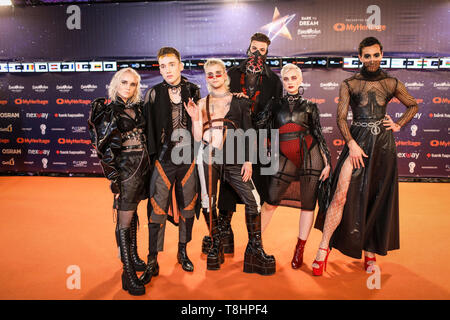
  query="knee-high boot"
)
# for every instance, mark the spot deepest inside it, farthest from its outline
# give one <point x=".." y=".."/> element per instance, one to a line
<point x="256" y="260"/>
<point x="152" y="269"/>
<point x="130" y="281"/>
<point x="139" y="265"/>
<point x="215" y="251"/>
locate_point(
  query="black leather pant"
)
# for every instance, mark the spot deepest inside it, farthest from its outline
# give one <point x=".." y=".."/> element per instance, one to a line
<point x="232" y="174"/>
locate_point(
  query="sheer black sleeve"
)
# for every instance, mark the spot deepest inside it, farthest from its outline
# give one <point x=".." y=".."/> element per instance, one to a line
<point x="106" y="139"/>
<point x="316" y="131"/>
<point x="342" y="111"/>
<point x="402" y="94"/>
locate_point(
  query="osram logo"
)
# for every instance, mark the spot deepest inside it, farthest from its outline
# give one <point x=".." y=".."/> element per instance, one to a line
<point x="9" y="115"/>
<point x="11" y="151"/>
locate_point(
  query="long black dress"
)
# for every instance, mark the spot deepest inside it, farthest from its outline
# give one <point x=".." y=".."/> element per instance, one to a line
<point x="370" y="219"/>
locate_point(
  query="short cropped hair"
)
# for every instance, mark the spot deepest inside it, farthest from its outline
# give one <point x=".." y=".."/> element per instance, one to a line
<point x="164" y="51"/>
<point x="212" y="62"/>
<point x="260" y="37"/>
<point x="367" y="42"/>
<point x="290" y="66"/>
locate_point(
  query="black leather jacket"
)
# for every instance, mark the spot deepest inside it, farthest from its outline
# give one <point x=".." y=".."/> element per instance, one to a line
<point x="157" y="112"/>
<point x="305" y="113"/>
<point x="106" y="124"/>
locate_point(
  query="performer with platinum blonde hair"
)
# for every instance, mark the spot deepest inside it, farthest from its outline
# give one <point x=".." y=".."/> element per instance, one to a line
<point x="304" y="159"/>
<point x="213" y="119"/>
<point x="117" y="133"/>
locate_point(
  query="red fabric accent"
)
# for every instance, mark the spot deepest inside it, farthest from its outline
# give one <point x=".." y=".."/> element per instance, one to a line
<point x="291" y="148"/>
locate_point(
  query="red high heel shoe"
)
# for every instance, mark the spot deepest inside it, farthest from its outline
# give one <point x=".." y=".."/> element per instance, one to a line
<point x="367" y="260"/>
<point x="322" y="264"/>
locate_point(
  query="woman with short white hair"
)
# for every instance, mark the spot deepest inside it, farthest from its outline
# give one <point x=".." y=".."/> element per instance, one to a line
<point x="117" y="133"/>
<point x="304" y="159"/>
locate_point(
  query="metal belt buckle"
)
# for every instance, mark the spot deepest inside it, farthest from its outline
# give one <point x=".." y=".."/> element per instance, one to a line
<point x="374" y="128"/>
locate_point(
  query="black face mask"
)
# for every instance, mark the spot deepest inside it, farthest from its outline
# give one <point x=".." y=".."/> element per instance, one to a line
<point x="256" y="61"/>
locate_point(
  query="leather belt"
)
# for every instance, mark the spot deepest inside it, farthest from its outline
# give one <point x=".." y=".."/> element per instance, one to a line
<point x="293" y="135"/>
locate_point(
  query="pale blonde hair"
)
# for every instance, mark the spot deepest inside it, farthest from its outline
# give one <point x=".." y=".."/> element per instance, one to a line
<point x="115" y="81"/>
<point x="290" y="66"/>
<point x="212" y="62"/>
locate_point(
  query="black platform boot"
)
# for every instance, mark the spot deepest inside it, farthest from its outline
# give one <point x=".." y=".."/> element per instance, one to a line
<point x="130" y="281"/>
<point x="183" y="258"/>
<point x="255" y="259"/>
<point x="215" y="252"/>
<point x="152" y="268"/>
<point x="139" y="265"/>
<point x="226" y="232"/>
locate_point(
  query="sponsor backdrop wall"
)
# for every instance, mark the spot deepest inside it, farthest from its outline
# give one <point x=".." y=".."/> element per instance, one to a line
<point x="43" y="116"/>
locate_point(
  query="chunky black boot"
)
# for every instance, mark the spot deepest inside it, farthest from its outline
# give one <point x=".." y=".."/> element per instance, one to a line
<point x="215" y="252"/>
<point x="183" y="258"/>
<point x="151" y="270"/>
<point x="139" y="265"/>
<point x="255" y="259"/>
<point x="130" y="281"/>
<point x="206" y="244"/>
<point x="226" y="232"/>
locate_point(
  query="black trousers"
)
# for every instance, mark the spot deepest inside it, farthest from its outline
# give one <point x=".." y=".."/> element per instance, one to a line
<point x="183" y="178"/>
<point x="231" y="173"/>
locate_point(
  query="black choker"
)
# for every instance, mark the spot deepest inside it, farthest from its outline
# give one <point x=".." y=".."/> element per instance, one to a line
<point x="293" y="97"/>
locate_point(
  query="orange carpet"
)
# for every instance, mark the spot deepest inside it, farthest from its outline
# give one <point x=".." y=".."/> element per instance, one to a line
<point x="48" y="224"/>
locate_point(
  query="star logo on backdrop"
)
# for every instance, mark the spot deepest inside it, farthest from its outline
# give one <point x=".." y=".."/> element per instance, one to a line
<point x="278" y="26"/>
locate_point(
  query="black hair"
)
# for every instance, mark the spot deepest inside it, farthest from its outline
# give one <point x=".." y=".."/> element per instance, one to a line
<point x="367" y="42"/>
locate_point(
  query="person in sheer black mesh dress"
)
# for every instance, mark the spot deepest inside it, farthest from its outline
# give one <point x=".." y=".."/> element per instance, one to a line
<point x="304" y="159"/>
<point x="117" y="133"/>
<point x="363" y="214"/>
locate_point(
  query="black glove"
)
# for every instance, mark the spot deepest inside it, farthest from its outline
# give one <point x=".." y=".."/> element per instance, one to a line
<point x="115" y="187"/>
